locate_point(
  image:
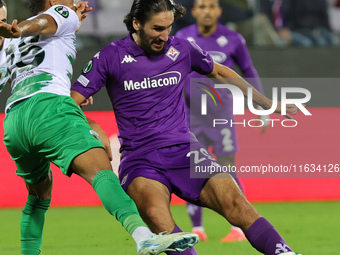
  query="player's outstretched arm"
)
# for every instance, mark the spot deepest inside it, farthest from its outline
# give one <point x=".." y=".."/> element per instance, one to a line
<point x="43" y="24"/>
<point x="80" y="99"/>
<point x="226" y="75"/>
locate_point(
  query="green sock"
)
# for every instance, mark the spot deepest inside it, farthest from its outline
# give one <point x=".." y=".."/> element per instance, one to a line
<point x="32" y="224"/>
<point x="116" y="201"/>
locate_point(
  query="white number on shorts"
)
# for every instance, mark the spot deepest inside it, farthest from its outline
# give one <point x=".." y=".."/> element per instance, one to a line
<point x="227" y="142"/>
<point x="207" y="154"/>
<point x="197" y="158"/>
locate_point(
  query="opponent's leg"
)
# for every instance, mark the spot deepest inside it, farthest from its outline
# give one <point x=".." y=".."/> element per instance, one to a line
<point x="153" y="202"/>
<point x="33" y="215"/>
<point x="94" y="166"/>
<point x="91" y="166"/>
<point x="235" y="234"/>
<point x="221" y="194"/>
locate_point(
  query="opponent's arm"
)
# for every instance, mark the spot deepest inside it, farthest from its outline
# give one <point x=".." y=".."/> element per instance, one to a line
<point x="80" y="99"/>
<point x="43" y="24"/>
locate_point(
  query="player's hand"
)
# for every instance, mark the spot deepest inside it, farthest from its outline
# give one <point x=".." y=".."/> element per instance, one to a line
<point x="86" y="102"/>
<point x="290" y="109"/>
<point x="82" y="9"/>
<point x="10" y="31"/>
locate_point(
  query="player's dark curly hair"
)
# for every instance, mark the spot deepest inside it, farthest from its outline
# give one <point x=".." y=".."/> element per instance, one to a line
<point x="143" y="9"/>
<point x="36" y="6"/>
<point x="2" y="3"/>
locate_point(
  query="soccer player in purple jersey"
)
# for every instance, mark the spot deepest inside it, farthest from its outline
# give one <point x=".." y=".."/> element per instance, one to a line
<point x="43" y="125"/>
<point x="144" y="74"/>
<point x="228" y="48"/>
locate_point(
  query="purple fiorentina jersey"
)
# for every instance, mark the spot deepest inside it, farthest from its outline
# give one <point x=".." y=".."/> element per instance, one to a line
<point x="146" y="90"/>
<point x="227" y="48"/>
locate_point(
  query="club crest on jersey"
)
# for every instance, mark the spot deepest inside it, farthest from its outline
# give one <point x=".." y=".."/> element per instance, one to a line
<point x="62" y="11"/>
<point x="172" y="53"/>
<point x="222" y="41"/>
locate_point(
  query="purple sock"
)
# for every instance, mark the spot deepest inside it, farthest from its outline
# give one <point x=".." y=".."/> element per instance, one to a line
<point x="195" y="213"/>
<point x="191" y="251"/>
<point x="264" y="237"/>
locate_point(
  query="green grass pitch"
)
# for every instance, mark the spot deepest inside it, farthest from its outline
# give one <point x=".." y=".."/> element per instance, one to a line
<point x="312" y="228"/>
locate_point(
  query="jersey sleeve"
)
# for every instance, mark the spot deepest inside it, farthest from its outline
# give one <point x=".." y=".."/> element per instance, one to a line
<point x="96" y="73"/>
<point x="66" y="19"/>
<point x="201" y="61"/>
<point x="244" y="62"/>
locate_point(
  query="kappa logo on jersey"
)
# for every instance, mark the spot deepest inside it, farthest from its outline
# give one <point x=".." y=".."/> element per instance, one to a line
<point x="88" y="67"/>
<point x="97" y="55"/>
<point x="62" y="11"/>
<point x="173" y="53"/>
<point x="222" y="41"/>
<point x="128" y="59"/>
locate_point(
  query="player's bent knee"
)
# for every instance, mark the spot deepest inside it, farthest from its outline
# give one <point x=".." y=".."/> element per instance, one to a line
<point x="241" y="213"/>
<point x="152" y="210"/>
<point x="91" y="162"/>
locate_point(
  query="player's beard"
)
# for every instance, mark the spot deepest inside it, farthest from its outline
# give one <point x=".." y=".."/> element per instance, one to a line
<point x="146" y="46"/>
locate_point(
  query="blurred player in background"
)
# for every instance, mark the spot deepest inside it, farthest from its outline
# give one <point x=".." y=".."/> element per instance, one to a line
<point x="3" y="65"/>
<point x="144" y="75"/>
<point x="43" y="124"/>
<point x="228" y="48"/>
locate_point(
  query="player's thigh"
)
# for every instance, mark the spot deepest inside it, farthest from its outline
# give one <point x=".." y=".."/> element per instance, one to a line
<point x="144" y="178"/>
<point x="54" y="129"/>
<point x="184" y="163"/>
<point x="31" y="167"/>
<point x="64" y="134"/>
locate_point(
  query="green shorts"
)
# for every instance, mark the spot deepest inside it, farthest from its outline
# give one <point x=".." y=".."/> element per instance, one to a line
<point x="46" y="128"/>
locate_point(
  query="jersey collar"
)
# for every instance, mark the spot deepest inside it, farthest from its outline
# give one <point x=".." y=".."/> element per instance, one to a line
<point x="215" y="34"/>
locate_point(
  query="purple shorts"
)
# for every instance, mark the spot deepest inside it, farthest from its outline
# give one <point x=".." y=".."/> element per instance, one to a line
<point x="170" y="166"/>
